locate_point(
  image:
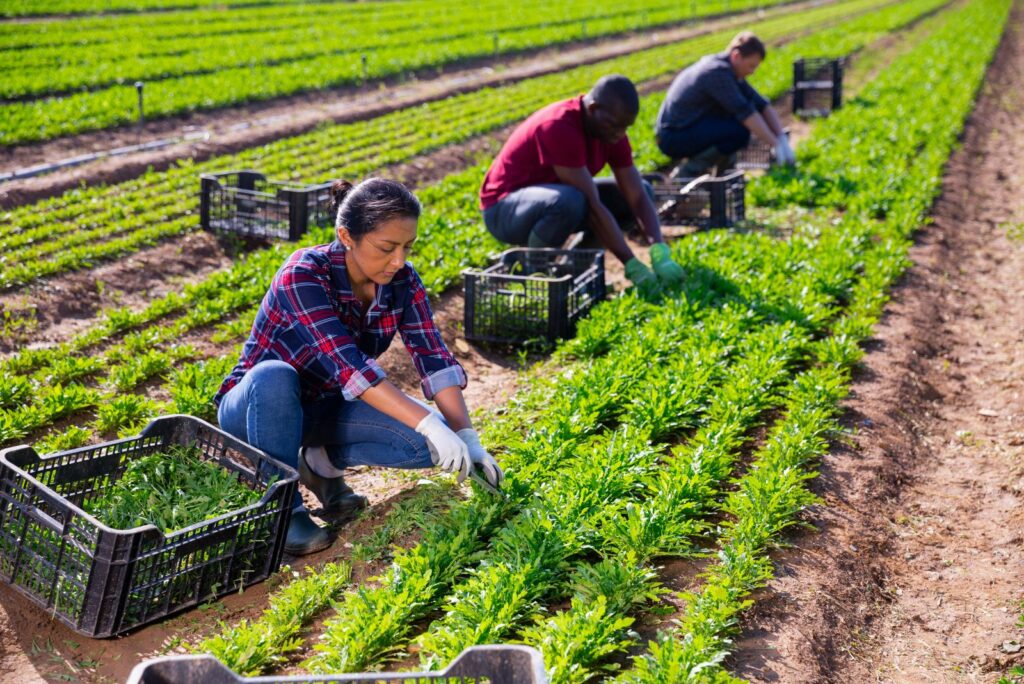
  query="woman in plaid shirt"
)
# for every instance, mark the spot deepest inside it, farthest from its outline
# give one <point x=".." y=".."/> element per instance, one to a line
<point x="307" y="389"/>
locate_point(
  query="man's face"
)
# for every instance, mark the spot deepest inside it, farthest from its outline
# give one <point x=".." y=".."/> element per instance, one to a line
<point x="744" y="66"/>
<point x="609" y="122"/>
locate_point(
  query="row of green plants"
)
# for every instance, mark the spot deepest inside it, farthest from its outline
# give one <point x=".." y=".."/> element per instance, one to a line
<point x="585" y="460"/>
<point x="86" y="226"/>
<point x="345" y="30"/>
<point x="942" y="76"/>
<point x="206" y="79"/>
<point x="451" y="227"/>
<point x="26" y="8"/>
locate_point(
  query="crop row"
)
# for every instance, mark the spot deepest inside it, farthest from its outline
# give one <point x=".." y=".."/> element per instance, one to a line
<point x="57" y="69"/>
<point x="27" y="8"/>
<point x="83" y="227"/>
<point x="199" y="80"/>
<point x="624" y="457"/>
<point x="941" y="78"/>
<point x="450" y="228"/>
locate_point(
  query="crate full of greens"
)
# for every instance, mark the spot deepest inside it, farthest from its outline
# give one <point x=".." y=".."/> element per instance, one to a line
<point x="532" y="294"/>
<point x="117" y="535"/>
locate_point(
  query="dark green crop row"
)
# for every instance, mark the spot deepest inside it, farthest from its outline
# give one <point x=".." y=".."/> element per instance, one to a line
<point x="97" y="91"/>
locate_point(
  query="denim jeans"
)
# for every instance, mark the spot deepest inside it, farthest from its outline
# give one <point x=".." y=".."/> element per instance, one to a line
<point x="546" y="215"/>
<point x="725" y="133"/>
<point x="265" y="410"/>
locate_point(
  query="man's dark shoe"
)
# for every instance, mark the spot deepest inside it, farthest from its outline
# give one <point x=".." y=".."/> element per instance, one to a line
<point x="305" y="536"/>
<point x="337" y="498"/>
<point x="704" y="162"/>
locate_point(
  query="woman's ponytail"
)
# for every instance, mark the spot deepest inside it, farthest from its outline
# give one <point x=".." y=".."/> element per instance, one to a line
<point x="339" y="191"/>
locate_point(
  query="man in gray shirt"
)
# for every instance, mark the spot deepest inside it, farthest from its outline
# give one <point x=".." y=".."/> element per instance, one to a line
<point x="711" y="111"/>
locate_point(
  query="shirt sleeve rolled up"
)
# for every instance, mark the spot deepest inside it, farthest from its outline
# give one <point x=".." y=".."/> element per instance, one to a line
<point x="304" y="296"/>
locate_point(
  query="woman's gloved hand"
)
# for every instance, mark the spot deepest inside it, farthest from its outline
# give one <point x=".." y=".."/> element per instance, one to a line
<point x="481" y="457"/>
<point x="643" y="277"/>
<point x="666" y="269"/>
<point x="447" y="451"/>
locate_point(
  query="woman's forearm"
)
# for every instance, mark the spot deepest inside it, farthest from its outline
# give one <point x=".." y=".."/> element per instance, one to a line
<point x="391" y="401"/>
<point x="452" y="405"/>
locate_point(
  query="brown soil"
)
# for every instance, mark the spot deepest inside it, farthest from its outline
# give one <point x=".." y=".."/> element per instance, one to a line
<point x="56" y="309"/>
<point x="237" y="128"/>
<point x="916" y="568"/>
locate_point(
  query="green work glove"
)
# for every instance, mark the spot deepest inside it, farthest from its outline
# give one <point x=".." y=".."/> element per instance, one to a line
<point x="643" y="277"/>
<point x="661" y="261"/>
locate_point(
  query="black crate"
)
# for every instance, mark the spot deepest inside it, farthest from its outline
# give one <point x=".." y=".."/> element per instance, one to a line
<point x="533" y="294"/>
<point x="101" y="581"/>
<point x="818" y="85"/>
<point x="475" y="665"/>
<point x="247" y="204"/>
<point x="704" y="202"/>
<point x="757" y="155"/>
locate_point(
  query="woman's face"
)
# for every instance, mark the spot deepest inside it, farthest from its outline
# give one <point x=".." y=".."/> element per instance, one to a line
<point x="378" y="255"/>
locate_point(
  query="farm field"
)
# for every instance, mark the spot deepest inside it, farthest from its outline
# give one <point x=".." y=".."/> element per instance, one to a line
<point x="805" y="463"/>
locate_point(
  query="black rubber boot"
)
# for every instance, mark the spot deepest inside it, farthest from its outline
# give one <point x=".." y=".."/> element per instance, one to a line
<point x="305" y="536"/>
<point x="337" y="498"/>
<point x="702" y="163"/>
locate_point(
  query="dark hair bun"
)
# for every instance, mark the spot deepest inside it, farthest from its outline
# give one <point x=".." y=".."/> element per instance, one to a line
<point x="339" y="190"/>
<point x="362" y="208"/>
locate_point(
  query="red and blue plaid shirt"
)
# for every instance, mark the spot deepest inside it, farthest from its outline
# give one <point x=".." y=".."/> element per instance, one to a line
<point x="311" y="319"/>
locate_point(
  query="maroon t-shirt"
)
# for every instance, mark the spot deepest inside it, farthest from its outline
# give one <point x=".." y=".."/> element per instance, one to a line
<point x="553" y="136"/>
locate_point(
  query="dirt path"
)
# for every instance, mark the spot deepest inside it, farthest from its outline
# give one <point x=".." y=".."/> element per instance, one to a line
<point x="236" y="128"/>
<point x="916" y="570"/>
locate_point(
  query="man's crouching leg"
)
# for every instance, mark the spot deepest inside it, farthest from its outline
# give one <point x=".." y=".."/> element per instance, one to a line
<point x="537" y="216"/>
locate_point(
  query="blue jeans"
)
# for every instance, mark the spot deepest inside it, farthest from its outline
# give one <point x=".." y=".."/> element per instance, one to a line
<point x="265" y="410"/>
<point x="546" y="215"/>
<point x="725" y="133"/>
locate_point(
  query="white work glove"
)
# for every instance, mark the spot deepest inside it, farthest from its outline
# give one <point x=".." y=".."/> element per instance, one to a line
<point x="446" y="449"/>
<point x="480" y="457"/>
<point x="783" y="152"/>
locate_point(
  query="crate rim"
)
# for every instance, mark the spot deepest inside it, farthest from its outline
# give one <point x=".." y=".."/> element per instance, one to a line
<point x="538" y="671"/>
<point x="285" y="185"/>
<point x="149" y="529"/>
<point x="489" y="270"/>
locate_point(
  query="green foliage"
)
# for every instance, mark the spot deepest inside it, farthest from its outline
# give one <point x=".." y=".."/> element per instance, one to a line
<point x="171" y="489"/>
<point x="78" y="77"/>
<point x="251" y="648"/>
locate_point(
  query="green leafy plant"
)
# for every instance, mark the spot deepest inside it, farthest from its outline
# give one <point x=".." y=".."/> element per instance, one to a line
<point x="170" y="489"/>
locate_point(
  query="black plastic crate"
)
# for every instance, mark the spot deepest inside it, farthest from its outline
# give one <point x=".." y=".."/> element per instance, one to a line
<point x="704" y="202"/>
<point x="475" y="665"/>
<point x="246" y="203"/>
<point x="101" y="581"/>
<point x="818" y="85"/>
<point x="530" y="294"/>
<point x="757" y="155"/>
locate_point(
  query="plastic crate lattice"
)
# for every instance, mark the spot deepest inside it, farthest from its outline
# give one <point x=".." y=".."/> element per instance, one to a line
<point x="101" y="581"/>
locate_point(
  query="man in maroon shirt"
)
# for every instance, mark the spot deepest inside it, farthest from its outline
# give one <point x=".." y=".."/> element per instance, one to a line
<point x="541" y="187"/>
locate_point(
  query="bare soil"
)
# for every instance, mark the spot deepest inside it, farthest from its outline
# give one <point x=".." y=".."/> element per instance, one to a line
<point x="915" y="569"/>
<point x="229" y="130"/>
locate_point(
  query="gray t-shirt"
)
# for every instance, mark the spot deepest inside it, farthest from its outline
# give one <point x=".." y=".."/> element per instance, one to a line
<point x="708" y="88"/>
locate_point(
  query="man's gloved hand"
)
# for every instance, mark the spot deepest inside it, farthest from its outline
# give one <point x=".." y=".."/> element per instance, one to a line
<point x="643" y="277"/>
<point x="446" y="449"/>
<point x="783" y="152"/>
<point x="666" y="269"/>
<point x="480" y="457"/>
